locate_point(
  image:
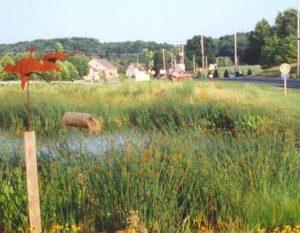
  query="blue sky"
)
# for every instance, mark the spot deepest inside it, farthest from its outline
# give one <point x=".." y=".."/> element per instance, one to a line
<point x="172" y="21"/>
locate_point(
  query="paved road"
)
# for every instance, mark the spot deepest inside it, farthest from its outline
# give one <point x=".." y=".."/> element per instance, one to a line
<point x="278" y="82"/>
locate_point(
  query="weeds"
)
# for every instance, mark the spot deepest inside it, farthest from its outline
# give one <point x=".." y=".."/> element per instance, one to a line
<point x="209" y="165"/>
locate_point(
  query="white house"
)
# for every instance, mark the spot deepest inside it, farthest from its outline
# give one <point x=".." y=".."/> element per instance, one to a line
<point x="134" y="68"/>
<point x="99" y="67"/>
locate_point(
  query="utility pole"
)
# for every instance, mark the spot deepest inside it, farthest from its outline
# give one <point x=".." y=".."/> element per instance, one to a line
<point x="202" y="55"/>
<point x="236" y="64"/>
<point x="164" y="61"/>
<point x="172" y="61"/>
<point x="137" y="59"/>
<point x="194" y="64"/>
<point x="298" y="38"/>
<point x="182" y="51"/>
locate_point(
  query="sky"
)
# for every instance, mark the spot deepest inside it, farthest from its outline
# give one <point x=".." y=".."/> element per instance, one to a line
<point x="171" y="21"/>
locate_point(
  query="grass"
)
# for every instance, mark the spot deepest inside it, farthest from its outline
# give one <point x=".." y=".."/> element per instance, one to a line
<point x="275" y="71"/>
<point x="147" y="106"/>
<point x="219" y="156"/>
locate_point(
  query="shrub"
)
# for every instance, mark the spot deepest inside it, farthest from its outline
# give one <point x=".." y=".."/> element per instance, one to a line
<point x="249" y="72"/>
<point x="226" y="74"/>
<point x="8" y="76"/>
<point x="209" y="74"/>
<point x="122" y="77"/>
<point x="102" y="76"/>
<point x="216" y="73"/>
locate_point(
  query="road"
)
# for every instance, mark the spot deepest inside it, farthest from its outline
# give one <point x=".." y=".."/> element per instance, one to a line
<point x="278" y="82"/>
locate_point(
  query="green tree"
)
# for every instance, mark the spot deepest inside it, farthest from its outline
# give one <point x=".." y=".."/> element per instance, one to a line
<point x="257" y="40"/>
<point x="286" y="23"/>
<point x="80" y="62"/>
<point x="5" y="60"/>
<point x="67" y="71"/>
<point x="193" y="47"/>
<point x="59" y="47"/>
<point x="281" y="46"/>
<point x="226" y="46"/>
<point x="149" y="58"/>
<point x="158" y="61"/>
<point x="224" y="61"/>
<point x="270" y="54"/>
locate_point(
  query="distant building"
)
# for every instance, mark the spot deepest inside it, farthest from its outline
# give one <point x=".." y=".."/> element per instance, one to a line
<point x="134" y="68"/>
<point x="99" y="67"/>
<point x="212" y="67"/>
<point x="142" y="76"/>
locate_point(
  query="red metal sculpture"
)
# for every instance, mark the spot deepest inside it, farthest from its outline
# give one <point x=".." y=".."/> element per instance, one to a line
<point x="54" y="56"/>
<point x="27" y="66"/>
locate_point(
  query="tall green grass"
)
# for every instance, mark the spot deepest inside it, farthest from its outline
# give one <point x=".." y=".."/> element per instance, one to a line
<point x="147" y="106"/>
<point x="235" y="182"/>
<point x="217" y="155"/>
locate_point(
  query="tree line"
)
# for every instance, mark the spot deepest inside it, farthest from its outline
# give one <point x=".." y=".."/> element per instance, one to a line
<point x="266" y="45"/>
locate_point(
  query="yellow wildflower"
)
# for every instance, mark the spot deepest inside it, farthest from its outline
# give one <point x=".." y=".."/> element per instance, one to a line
<point x="75" y="228"/>
<point x="261" y="230"/>
<point x="55" y="228"/>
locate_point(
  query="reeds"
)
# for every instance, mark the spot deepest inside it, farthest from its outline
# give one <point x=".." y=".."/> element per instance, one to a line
<point x="208" y="165"/>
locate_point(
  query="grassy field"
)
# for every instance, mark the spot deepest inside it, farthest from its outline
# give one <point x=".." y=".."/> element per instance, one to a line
<point x="219" y="157"/>
<point x="275" y="71"/>
<point x="258" y="71"/>
<point x="255" y="69"/>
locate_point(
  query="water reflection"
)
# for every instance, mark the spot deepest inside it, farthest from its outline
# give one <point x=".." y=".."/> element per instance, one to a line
<point x="77" y="142"/>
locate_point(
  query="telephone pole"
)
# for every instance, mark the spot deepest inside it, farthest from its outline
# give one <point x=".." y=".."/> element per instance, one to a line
<point x="182" y="50"/>
<point x="236" y="64"/>
<point x="298" y="39"/>
<point x="194" y="64"/>
<point x="202" y="55"/>
<point x="164" y="61"/>
<point x="172" y="61"/>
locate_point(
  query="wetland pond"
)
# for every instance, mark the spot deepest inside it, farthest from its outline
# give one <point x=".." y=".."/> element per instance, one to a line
<point x="75" y="142"/>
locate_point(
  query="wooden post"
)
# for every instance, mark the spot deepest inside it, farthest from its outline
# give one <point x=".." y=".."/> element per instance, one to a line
<point x="194" y="64"/>
<point x="285" y="86"/>
<point x="32" y="182"/>
<point x="202" y="55"/>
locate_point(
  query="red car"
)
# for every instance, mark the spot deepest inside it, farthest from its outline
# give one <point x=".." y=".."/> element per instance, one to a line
<point x="180" y="75"/>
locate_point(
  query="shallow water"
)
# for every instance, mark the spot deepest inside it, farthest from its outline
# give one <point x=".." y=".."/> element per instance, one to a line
<point x="76" y="142"/>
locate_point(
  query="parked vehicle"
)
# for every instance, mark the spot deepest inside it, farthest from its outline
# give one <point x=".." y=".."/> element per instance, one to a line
<point x="180" y="75"/>
<point x="231" y="74"/>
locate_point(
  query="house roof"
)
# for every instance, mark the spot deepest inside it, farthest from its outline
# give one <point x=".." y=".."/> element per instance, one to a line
<point x="106" y="64"/>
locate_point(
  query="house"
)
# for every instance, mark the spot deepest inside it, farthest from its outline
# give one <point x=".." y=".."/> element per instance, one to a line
<point x="142" y="76"/>
<point x="212" y="67"/>
<point x="101" y="68"/>
<point x="134" y="68"/>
